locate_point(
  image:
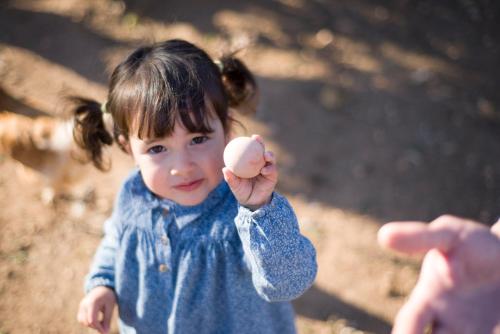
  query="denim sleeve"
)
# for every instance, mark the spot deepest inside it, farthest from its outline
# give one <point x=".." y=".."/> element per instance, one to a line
<point x="282" y="261"/>
<point x="102" y="270"/>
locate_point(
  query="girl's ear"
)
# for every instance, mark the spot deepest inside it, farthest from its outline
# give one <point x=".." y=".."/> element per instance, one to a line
<point x="229" y="133"/>
<point x="125" y="144"/>
<point x="228" y="137"/>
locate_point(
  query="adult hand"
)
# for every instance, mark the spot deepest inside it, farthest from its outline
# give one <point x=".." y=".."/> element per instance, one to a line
<point x="96" y="309"/>
<point x="255" y="192"/>
<point x="458" y="290"/>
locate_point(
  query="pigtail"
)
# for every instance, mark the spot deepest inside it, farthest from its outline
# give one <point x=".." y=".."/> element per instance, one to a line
<point x="239" y="84"/>
<point x="89" y="131"/>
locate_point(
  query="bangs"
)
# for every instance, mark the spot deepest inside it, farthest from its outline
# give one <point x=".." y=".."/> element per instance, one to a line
<point x="157" y="86"/>
<point x="151" y="103"/>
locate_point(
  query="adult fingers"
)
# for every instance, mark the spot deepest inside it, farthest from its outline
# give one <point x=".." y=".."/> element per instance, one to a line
<point x="440" y="330"/>
<point x="495" y="229"/>
<point x="415" y="237"/>
<point x="414" y="316"/>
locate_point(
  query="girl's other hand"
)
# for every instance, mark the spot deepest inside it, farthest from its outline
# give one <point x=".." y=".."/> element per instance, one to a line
<point x="255" y="192"/>
<point x="96" y="309"/>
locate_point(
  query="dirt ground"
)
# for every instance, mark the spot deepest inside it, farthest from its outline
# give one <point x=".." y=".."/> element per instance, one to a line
<point x="377" y="111"/>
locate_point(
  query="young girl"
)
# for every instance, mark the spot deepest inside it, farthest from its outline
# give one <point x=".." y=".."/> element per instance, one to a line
<point x="186" y="251"/>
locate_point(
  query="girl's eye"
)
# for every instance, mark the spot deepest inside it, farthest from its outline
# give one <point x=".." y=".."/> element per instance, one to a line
<point x="199" y="140"/>
<point x="156" y="149"/>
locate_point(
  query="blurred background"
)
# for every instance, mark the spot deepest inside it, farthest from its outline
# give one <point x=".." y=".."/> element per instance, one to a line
<point x="377" y="111"/>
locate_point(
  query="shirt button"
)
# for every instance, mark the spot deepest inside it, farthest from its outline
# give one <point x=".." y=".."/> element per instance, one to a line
<point x="165" y="212"/>
<point x="164" y="239"/>
<point x="163" y="268"/>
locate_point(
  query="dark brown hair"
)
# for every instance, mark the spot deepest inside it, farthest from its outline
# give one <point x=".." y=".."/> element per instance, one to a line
<point x="157" y="85"/>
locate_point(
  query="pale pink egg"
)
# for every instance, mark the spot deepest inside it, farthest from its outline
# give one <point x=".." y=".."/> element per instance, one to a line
<point x="244" y="156"/>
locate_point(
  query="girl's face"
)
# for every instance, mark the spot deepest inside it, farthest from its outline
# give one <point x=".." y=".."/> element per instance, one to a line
<point x="183" y="167"/>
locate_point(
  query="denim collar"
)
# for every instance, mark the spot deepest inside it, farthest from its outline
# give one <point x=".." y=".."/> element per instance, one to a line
<point x="184" y="214"/>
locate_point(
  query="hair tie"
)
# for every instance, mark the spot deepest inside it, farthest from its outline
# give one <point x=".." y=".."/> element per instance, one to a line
<point x="104" y="109"/>
<point x="219" y="64"/>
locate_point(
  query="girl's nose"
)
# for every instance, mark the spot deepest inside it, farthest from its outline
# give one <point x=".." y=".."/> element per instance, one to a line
<point x="182" y="164"/>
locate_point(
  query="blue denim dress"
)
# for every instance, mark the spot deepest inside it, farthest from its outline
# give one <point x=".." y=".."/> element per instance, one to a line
<point x="216" y="267"/>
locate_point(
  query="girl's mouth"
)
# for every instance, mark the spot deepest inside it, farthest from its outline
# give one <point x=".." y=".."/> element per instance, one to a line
<point x="189" y="186"/>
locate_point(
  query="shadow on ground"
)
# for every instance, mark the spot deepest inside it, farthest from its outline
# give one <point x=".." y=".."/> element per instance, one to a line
<point x="320" y="305"/>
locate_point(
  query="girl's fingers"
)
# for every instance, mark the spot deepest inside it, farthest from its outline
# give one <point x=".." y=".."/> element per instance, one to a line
<point x="228" y="175"/>
<point x="258" y="138"/>
<point x="270" y="172"/>
<point x="89" y="315"/>
<point x="232" y="180"/>
<point x="269" y="157"/>
<point x="106" y="319"/>
<point x="93" y="318"/>
<point x="82" y="315"/>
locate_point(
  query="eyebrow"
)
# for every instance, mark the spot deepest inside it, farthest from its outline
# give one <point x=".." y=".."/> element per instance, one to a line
<point x="150" y="141"/>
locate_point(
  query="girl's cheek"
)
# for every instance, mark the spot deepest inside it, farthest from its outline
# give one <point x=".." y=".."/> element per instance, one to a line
<point x="215" y="157"/>
<point x="158" y="175"/>
<point x="218" y="151"/>
<point x="153" y="177"/>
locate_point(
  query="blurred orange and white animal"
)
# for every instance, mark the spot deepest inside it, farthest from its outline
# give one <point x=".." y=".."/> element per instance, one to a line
<point x="41" y="145"/>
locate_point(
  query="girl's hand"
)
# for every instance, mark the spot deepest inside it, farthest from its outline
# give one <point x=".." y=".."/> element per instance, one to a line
<point x="255" y="192"/>
<point x="96" y="309"/>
